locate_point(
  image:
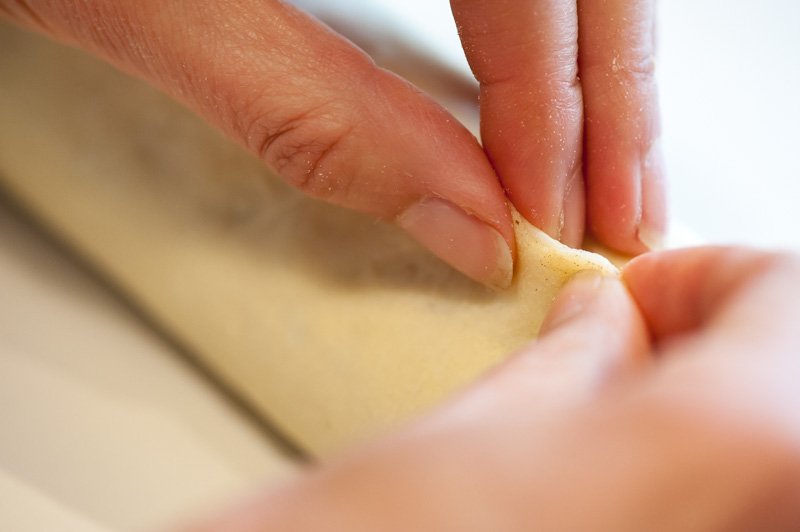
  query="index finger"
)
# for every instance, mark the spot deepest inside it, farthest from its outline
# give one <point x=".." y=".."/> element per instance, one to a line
<point x="525" y="57"/>
<point x="624" y="172"/>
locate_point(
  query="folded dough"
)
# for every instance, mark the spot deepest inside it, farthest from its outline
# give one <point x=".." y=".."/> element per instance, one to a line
<point x="331" y="325"/>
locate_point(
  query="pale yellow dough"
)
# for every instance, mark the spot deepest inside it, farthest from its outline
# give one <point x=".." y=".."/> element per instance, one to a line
<point x="331" y="325"/>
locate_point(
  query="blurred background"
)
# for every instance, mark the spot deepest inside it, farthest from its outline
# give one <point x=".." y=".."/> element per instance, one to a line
<point x="729" y="73"/>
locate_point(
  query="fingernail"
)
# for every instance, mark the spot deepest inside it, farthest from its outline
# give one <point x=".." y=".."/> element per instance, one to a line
<point x="653" y="220"/>
<point x="573" y="299"/>
<point x="573" y="212"/>
<point x="469" y="245"/>
<point x="651" y="238"/>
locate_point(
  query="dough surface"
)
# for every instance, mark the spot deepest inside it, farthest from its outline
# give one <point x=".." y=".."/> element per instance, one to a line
<point x="330" y="324"/>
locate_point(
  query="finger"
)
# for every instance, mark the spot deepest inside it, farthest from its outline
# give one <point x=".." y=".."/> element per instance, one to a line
<point x="313" y="107"/>
<point x="685" y="290"/>
<point x="628" y="459"/>
<point x="623" y="167"/>
<point x="592" y="336"/>
<point x="524" y="54"/>
<point x="726" y="321"/>
<point x="730" y="381"/>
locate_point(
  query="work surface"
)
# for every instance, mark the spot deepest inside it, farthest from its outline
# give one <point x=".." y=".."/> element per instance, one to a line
<point x="104" y="425"/>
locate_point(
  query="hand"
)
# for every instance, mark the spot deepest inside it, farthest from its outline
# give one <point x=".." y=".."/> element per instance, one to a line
<point x="568" y="104"/>
<point x="318" y="112"/>
<point x="594" y="427"/>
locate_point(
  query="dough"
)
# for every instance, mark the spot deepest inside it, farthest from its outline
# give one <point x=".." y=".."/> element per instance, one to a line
<point x="333" y="326"/>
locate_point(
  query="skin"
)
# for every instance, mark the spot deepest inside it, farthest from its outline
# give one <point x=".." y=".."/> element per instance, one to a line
<point x="667" y="405"/>
<point x="319" y="113"/>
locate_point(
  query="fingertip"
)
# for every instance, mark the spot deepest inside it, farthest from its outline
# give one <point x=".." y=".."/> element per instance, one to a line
<point x="593" y="296"/>
<point x="464" y="241"/>
<point x="680" y="290"/>
<point x="573" y="216"/>
<point x="594" y="321"/>
<point x="627" y="203"/>
<point x="640" y="262"/>
<point x="504" y="272"/>
<point x="573" y="299"/>
<point x="653" y="224"/>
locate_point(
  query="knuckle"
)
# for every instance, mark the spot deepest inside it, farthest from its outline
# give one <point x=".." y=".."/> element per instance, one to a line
<point x="567" y="100"/>
<point x="308" y="149"/>
<point x="617" y="75"/>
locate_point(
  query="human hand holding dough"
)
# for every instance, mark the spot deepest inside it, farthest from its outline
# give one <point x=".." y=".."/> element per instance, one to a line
<point x="591" y="427"/>
<point x="271" y="291"/>
<point x="318" y="112"/>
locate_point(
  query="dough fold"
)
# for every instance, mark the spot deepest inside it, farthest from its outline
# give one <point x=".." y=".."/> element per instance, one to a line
<point x="331" y="325"/>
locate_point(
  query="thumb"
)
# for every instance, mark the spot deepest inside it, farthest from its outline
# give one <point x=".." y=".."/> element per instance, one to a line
<point x="313" y="107"/>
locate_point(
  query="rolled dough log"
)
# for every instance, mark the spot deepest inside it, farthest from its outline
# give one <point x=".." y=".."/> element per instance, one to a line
<point x="332" y="325"/>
